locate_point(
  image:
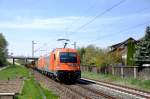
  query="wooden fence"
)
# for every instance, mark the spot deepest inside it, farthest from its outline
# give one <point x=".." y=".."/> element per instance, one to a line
<point x="123" y="71"/>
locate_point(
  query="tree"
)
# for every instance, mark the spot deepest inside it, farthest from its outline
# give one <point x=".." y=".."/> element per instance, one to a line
<point x="81" y="52"/>
<point x="93" y="56"/>
<point x="3" y="50"/>
<point x="142" y="54"/>
<point x="130" y="52"/>
<point x="89" y="55"/>
<point x="114" y="57"/>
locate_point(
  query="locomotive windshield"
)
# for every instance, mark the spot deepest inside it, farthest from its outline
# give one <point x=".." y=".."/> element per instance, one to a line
<point x="68" y="57"/>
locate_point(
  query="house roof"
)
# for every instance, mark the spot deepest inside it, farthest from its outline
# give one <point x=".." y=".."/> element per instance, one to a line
<point x="122" y="43"/>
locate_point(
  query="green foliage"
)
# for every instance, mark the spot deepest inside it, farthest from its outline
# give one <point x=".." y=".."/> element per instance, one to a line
<point x="34" y="92"/>
<point x="30" y="90"/>
<point x="130" y="53"/>
<point x="3" y="50"/>
<point x="50" y="94"/>
<point x="142" y="54"/>
<point x="95" y="56"/>
<point x="114" y="57"/>
<point x="139" y="84"/>
<point x="81" y="52"/>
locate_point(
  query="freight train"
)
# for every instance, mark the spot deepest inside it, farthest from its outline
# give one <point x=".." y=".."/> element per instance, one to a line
<point x="62" y="64"/>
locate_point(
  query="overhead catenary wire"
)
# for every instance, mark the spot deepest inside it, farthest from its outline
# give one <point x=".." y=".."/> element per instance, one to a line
<point x="86" y="11"/>
<point x="78" y="19"/>
<point x="97" y="16"/>
<point x="127" y="29"/>
<point x="142" y="9"/>
<point x="124" y="30"/>
<point x="101" y="14"/>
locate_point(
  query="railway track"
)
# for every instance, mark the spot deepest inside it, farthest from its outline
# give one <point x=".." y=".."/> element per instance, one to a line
<point x="61" y="90"/>
<point x="89" y="93"/>
<point x="74" y="91"/>
<point x="97" y="92"/>
<point x="90" y="89"/>
<point x="138" y="94"/>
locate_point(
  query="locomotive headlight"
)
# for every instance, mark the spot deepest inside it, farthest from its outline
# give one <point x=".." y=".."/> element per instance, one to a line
<point x="58" y="65"/>
<point x="73" y="64"/>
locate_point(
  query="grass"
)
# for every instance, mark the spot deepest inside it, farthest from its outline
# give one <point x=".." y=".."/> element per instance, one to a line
<point x="49" y="94"/>
<point x="31" y="89"/>
<point x="136" y="83"/>
<point x="13" y="71"/>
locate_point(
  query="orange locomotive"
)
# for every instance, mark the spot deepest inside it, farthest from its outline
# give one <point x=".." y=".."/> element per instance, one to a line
<point x="62" y="64"/>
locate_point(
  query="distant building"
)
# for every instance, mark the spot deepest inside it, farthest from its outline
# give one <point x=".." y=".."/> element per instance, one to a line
<point x="122" y="49"/>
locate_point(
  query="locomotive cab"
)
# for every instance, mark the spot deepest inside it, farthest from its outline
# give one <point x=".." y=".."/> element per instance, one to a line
<point x="71" y="65"/>
<point x="67" y="64"/>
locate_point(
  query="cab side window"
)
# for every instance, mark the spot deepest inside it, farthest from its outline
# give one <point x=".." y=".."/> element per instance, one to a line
<point x="54" y="57"/>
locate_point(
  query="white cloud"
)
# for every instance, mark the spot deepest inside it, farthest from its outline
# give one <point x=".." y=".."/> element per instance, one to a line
<point x="48" y="23"/>
<point x="71" y="22"/>
<point x="100" y="28"/>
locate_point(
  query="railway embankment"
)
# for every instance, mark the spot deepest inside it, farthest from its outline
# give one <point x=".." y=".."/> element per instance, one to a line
<point x="130" y="82"/>
<point x="18" y="79"/>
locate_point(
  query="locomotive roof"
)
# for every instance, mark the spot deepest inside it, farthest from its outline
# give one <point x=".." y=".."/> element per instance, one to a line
<point x="59" y="50"/>
<point x="65" y="49"/>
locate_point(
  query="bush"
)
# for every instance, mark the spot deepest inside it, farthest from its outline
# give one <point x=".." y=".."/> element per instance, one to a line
<point x="3" y="50"/>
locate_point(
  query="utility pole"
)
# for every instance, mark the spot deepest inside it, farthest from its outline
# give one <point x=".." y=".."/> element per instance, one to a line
<point x="75" y="44"/>
<point x="33" y="43"/>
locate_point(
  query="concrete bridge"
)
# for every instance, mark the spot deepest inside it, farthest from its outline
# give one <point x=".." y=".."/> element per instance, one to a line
<point x="22" y="58"/>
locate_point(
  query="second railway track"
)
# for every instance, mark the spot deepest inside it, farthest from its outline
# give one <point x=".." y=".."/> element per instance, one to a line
<point x="138" y="94"/>
<point x="87" y="89"/>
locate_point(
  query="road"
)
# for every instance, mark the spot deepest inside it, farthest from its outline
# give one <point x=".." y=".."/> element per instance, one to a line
<point x="11" y="61"/>
<point x="1" y="68"/>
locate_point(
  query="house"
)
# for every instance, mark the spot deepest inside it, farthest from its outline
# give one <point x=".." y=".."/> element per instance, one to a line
<point x="125" y="49"/>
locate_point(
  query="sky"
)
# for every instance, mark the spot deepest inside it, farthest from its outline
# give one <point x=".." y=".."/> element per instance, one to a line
<point x="80" y="21"/>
